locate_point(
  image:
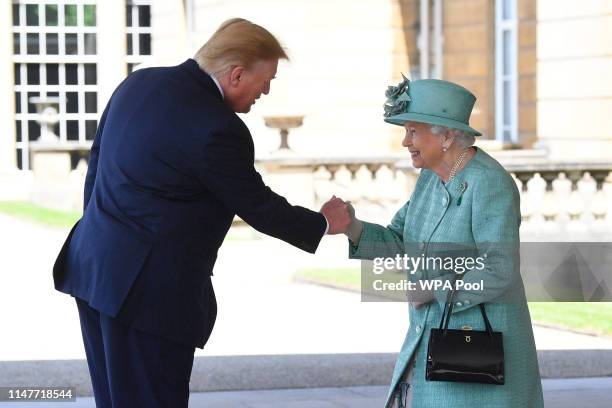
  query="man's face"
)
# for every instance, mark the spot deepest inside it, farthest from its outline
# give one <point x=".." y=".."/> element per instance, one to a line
<point x="252" y="82"/>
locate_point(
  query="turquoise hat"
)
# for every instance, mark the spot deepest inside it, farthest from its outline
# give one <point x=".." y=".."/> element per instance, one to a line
<point x="430" y="101"/>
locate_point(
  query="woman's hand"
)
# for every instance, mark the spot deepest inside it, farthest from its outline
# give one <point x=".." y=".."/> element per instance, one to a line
<point x="421" y="298"/>
<point x="418" y="305"/>
<point x="355" y="227"/>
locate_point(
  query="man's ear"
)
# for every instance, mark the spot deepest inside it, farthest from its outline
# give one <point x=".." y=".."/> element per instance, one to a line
<point x="236" y="75"/>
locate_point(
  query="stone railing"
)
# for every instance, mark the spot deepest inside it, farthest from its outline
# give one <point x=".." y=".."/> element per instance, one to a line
<point x="375" y="184"/>
<point x="559" y="200"/>
<point x="565" y="201"/>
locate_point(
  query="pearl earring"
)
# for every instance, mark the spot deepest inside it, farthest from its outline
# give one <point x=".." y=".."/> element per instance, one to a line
<point x="444" y="150"/>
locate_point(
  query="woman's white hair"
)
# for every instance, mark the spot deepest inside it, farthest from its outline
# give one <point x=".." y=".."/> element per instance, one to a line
<point x="463" y="139"/>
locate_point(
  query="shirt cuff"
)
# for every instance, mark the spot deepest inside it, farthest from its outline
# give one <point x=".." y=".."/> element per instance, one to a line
<point x="326" y="225"/>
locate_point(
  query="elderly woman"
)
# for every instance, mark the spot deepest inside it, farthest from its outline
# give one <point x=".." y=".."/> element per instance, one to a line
<point x="462" y="197"/>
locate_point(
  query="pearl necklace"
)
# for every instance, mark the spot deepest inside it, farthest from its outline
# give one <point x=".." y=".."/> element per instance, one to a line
<point x="460" y="159"/>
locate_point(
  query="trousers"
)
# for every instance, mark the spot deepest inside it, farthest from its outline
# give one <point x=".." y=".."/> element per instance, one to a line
<point x="130" y="368"/>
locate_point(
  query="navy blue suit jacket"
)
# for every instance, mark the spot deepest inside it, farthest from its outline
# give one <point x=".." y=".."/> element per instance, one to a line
<point x="170" y="167"/>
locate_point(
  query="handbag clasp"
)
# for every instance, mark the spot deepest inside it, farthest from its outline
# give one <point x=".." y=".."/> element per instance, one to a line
<point x="466" y="327"/>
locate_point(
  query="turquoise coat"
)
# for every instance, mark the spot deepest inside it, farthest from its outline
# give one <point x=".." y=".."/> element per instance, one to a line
<point x="487" y="214"/>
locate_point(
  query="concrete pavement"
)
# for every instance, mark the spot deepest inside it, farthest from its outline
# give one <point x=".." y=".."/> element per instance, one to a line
<point x="244" y="373"/>
<point x="565" y="393"/>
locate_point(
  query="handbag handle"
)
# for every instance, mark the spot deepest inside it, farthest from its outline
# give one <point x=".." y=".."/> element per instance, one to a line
<point x="448" y="310"/>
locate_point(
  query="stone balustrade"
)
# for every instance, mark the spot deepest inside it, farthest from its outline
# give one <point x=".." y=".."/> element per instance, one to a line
<point x="559" y="200"/>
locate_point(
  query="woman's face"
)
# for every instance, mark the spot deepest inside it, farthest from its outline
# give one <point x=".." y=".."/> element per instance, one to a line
<point x="425" y="148"/>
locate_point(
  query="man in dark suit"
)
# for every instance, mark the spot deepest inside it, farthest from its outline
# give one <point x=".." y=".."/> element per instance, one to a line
<point x="170" y="167"/>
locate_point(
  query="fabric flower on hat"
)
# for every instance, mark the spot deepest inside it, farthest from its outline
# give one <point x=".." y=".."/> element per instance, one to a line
<point x="395" y="91"/>
<point x="395" y="109"/>
<point x="397" y="98"/>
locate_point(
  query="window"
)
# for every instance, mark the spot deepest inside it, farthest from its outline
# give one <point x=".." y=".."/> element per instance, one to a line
<point x="138" y="37"/>
<point x="506" y="71"/>
<point x="55" y="56"/>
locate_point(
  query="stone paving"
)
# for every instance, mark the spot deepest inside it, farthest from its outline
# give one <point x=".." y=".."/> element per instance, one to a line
<point x="262" y="311"/>
<point x="566" y="393"/>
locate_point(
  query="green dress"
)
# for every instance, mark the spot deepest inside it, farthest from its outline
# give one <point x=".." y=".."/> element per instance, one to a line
<point x="480" y="209"/>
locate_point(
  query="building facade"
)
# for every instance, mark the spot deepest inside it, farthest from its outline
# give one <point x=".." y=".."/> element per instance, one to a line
<point x="539" y="68"/>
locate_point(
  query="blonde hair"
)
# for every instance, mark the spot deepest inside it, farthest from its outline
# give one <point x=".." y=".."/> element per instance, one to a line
<point x="238" y="42"/>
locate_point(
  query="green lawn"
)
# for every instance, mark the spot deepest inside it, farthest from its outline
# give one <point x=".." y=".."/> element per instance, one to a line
<point x="593" y="318"/>
<point x="41" y="215"/>
<point x="66" y="219"/>
<point x="348" y="278"/>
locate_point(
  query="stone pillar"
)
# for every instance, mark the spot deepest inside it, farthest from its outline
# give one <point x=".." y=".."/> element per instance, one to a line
<point x="404" y="21"/>
<point x="294" y="182"/>
<point x="469" y="56"/>
<point x="8" y="158"/>
<point x="527" y="40"/>
<point x="112" y="66"/>
<point x="51" y="169"/>
<point x="574" y="71"/>
<point x="171" y="44"/>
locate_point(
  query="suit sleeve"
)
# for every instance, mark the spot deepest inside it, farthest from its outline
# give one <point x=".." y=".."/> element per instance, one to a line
<point x="226" y="168"/>
<point x="92" y="167"/>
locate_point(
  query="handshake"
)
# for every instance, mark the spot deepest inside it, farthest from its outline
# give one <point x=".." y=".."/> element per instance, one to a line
<point x="340" y="216"/>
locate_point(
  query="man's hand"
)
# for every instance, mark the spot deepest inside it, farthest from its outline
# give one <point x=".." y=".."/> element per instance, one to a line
<point x="337" y="214"/>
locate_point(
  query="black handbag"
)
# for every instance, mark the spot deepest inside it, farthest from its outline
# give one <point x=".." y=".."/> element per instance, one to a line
<point x="465" y="355"/>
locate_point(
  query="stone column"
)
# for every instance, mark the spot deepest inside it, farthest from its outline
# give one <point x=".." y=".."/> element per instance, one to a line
<point x="527" y="84"/>
<point x="51" y="169"/>
<point x="294" y="182"/>
<point x="574" y="71"/>
<point x="171" y="43"/>
<point x="8" y="161"/>
<point x="469" y="57"/>
<point x="112" y="66"/>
